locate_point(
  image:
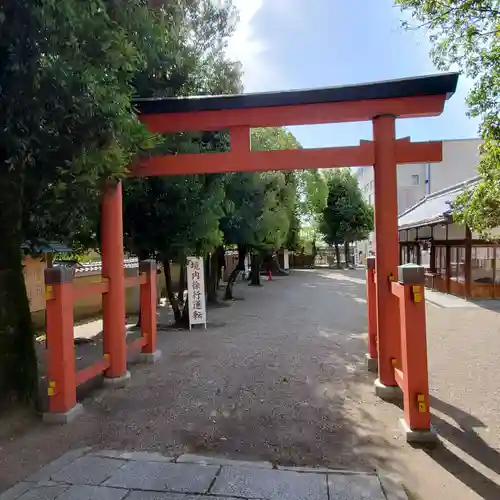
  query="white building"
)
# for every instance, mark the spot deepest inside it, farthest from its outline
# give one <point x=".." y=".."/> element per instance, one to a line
<point x="460" y="161"/>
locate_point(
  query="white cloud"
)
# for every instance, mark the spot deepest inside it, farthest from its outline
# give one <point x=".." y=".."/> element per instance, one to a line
<point x="250" y="50"/>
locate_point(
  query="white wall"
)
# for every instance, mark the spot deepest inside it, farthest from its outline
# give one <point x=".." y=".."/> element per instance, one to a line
<point x="411" y="184"/>
<point x="460" y="161"/>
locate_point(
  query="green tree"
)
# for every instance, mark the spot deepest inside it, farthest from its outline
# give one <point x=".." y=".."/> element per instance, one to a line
<point x="67" y="124"/>
<point x="261" y="213"/>
<point x="346" y="217"/>
<point x="69" y="70"/>
<point x="172" y="217"/>
<point x="465" y="34"/>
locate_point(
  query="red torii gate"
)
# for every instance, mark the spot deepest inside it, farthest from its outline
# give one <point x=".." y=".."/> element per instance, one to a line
<point x="381" y="103"/>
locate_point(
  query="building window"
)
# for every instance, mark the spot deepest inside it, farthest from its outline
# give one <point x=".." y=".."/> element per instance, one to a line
<point x="482" y="264"/>
<point x="457" y="264"/>
<point x="415" y="180"/>
<point x="440" y="262"/>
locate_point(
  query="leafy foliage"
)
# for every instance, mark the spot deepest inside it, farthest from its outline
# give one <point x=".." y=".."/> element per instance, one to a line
<point x="465" y="34"/>
<point x="346" y="217"/>
<point x="69" y="70"/>
<point x="262" y="208"/>
<point x="67" y="124"/>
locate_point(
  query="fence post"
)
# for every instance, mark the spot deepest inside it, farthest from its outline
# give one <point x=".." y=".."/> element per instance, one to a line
<point x="149" y="353"/>
<point x="61" y="370"/>
<point x="371" y="356"/>
<point x="416" y="423"/>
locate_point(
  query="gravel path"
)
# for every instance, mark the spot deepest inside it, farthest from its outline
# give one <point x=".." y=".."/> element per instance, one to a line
<point x="280" y="376"/>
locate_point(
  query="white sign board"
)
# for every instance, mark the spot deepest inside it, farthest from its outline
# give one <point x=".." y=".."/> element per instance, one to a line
<point x="286" y="260"/>
<point x="196" y="292"/>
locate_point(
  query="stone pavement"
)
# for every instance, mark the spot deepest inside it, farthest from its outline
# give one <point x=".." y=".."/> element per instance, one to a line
<point x="113" y="475"/>
<point x="444" y="300"/>
<point x="280" y="376"/>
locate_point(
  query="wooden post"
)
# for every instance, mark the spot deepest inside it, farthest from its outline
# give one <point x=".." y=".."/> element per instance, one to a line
<point x="448" y="268"/>
<point x="113" y="302"/>
<point x="387" y="259"/>
<point x="432" y="258"/>
<point x="61" y="369"/>
<point x="468" y="263"/>
<point x="371" y="300"/>
<point x="415" y="377"/>
<point x="149" y="352"/>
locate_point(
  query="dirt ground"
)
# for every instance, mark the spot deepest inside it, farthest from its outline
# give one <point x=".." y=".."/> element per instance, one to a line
<point x="280" y="376"/>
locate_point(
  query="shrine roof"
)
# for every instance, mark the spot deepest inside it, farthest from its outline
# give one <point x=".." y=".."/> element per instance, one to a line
<point x="437" y="84"/>
<point x="434" y="208"/>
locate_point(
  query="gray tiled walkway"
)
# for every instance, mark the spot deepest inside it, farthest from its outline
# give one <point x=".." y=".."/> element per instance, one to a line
<point x="112" y="475"/>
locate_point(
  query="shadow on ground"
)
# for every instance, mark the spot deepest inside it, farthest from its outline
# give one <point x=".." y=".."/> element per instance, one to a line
<point x="463" y="436"/>
<point x="280" y="377"/>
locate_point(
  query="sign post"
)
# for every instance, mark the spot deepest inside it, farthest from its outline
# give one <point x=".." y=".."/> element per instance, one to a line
<point x="196" y="292"/>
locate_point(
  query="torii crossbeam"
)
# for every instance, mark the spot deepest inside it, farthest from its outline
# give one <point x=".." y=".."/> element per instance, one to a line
<point x="408" y="98"/>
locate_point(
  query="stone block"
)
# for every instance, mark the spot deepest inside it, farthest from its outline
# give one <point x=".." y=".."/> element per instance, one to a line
<point x="44" y="492"/>
<point x="88" y="470"/>
<point x="203" y="460"/>
<point x="45" y="473"/>
<point x="158" y="476"/>
<point x="59" y="275"/>
<point x="83" y="492"/>
<point x="149" y="358"/>
<point x="108" y="453"/>
<point x="117" y="382"/>
<point x="387" y="392"/>
<point x="392" y="488"/>
<point x="411" y="274"/>
<point x="16" y="491"/>
<point x="63" y="418"/>
<point x="252" y="482"/>
<point x="145" y="456"/>
<point x="418" y="436"/>
<point x="355" y="487"/>
<point x="371" y="363"/>
<point x="154" y="495"/>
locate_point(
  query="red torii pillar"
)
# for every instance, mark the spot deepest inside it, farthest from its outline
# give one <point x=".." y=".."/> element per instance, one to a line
<point x="386" y="246"/>
<point x="113" y="302"/>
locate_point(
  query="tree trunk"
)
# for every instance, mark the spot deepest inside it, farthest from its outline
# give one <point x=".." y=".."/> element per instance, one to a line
<point x="221" y="256"/>
<point x="141" y="255"/>
<point x="347" y="254"/>
<point x="182" y="282"/>
<point x="18" y="363"/>
<point x="337" y="256"/>
<point x="240" y="266"/>
<point x="255" y="272"/>
<point x="184" y="321"/>
<point x="170" y="291"/>
<point x="213" y="274"/>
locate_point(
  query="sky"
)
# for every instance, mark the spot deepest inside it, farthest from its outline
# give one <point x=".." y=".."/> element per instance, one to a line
<point x="294" y="44"/>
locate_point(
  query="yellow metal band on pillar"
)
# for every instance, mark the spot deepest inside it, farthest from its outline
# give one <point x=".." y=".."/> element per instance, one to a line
<point x="49" y="292"/>
<point x="422" y="407"/>
<point x="51" y="390"/>
<point x="417" y="293"/>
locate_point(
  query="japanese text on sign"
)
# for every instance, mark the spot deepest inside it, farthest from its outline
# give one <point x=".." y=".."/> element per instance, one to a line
<point x="196" y="291"/>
